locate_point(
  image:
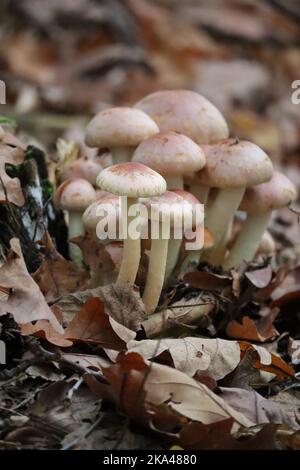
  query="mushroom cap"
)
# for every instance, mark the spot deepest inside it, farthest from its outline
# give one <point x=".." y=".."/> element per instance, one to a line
<point x="92" y="215"/>
<point x="275" y="194"/>
<point x="186" y="112"/>
<point x="85" y="168"/>
<point x="75" y="195"/>
<point x="131" y="179"/>
<point x="187" y="196"/>
<point x="170" y="153"/>
<point x="119" y="127"/>
<point x="170" y="205"/>
<point x="232" y="164"/>
<point x="267" y="244"/>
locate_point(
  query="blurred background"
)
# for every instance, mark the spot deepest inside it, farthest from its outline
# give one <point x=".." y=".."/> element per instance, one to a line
<point x="63" y="60"/>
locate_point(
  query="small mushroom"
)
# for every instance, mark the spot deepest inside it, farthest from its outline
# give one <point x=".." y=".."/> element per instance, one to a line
<point x="259" y="202"/>
<point x="231" y="166"/>
<point x="171" y="154"/>
<point x="186" y="112"/>
<point x="267" y="245"/>
<point x="131" y="180"/>
<point x="107" y="209"/>
<point x="121" y="130"/>
<point x="85" y="168"/>
<point x="74" y="196"/>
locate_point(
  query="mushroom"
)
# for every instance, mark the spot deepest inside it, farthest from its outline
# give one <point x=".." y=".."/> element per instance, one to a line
<point x="74" y="196"/>
<point x="132" y="180"/>
<point x="266" y="246"/>
<point x="175" y="244"/>
<point x="107" y="209"/>
<point x="165" y="211"/>
<point x="171" y="154"/>
<point x="231" y="166"/>
<point x="120" y="129"/>
<point x="186" y="112"/>
<point x="85" y="168"/>
<point x="259" y="202"/>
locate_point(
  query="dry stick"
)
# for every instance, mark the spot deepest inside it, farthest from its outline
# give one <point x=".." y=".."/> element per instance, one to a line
<point x="164" y="320"/>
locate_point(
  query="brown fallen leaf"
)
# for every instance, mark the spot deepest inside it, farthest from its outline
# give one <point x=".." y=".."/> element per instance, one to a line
<point x="250" y="330"/>
<point x="93" y="325"/>
<point x="264" y="294"/>
<point x="136" y="383"/>
<point x="94" y="253"/>
<point x="122" y="302"/>
<point x="56" y="276"/>
<point x="266" y="361"/>
<point x="10" y="188"/>
<point x="207" y="281"/>
<point x="25" y="302"/>
<point x="216" y="357"/>
<point x="44" y="329"/>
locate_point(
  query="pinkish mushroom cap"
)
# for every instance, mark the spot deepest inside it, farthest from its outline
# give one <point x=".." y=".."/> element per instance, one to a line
<point x="186" y="112"/>
<point x="75" y="195"/>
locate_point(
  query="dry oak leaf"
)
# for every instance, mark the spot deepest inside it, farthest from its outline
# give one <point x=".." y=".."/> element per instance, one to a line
<point x="267" y="361"/>
<point x="25" y="302"/>
<point x="207" y="281"/>
<point x="93" y="325"/>
<point x="137" y="382"/>
<point x="10" y="188"/>
<point x="122" y="302"/>
<point x="56" y="276"/>
<point x="216" y="357"/>
<point x="250" y="330"/>
<point x="94" y="253"/>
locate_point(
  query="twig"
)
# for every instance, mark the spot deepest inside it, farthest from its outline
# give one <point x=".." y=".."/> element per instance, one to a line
<point x="83" y="435"/>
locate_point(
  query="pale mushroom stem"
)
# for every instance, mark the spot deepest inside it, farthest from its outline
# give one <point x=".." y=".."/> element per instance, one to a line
<point x="156" y="273"/>
<point x="173" y="255"/>
<point x="122" y="154"/>
<point x="174" y="182"/>
<point x="248" y="240"/>
<point x="220" y="215"/>
<point x="75" y="229"/>
<point x="132" y="248"/>
<point x="218" y="255"/>
<point x="200" y="191"/>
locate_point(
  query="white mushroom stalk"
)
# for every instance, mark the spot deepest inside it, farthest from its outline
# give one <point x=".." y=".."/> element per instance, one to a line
<point x="132" y="181"/>
<point x="165" y="211"/>
<point x="259" y="202"/>
<point x="120" y="129"/>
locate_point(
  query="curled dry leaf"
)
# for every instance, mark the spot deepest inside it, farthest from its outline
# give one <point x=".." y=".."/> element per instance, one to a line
<point x="137" y="383"/>
<point x="216" y="357"/>
<point x="25" y="302"/>
<point x="93" y="325"/>
<point x="56" y="276"/>
<point x="95" y="254"/>
<point x="207" y="281"/>
<point x="10" y="188"/>
<point x="250" y="330"/>
<point x="122" y="302"/>
<point x="267" y="361"/>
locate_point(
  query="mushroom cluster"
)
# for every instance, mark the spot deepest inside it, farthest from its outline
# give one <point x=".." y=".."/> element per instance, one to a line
<point x="170" y="151"/>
